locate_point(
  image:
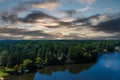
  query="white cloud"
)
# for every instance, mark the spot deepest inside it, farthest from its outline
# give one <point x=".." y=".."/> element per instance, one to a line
<point x="101" y="18"/>
<point x="87" y="1"/>
<point x="83" y="9"/>
<point x="47" y="5"/>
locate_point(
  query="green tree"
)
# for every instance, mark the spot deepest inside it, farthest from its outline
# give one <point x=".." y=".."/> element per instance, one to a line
<point x="46" y="58"/>
<point x="27" y="63"/>
<point x="39" y="60"/>
<point x="4" y="58"/>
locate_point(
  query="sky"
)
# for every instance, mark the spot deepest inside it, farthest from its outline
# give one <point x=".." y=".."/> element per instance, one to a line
<point x="60" y="19"/>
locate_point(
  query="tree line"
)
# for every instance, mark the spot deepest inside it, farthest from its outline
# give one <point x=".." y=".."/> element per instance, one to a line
<point x="29" y="53"/>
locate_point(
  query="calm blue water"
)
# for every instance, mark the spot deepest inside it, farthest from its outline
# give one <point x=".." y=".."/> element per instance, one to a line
<point x="106" y="68"/>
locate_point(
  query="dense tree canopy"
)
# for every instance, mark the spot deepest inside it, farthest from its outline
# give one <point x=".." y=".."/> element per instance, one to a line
<point x="52" y="52"/>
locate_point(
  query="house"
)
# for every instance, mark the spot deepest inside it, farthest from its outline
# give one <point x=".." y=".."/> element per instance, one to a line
<point x="117" y="48"/>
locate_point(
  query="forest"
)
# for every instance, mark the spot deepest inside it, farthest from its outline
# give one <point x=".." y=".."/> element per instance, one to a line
<point x="29" y="54"/>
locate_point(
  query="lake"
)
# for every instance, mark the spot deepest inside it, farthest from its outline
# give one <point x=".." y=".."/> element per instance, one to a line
<point x="107" y="67"/>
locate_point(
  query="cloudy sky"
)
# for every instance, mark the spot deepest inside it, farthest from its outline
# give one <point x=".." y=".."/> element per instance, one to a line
<point x="59" y="19"/>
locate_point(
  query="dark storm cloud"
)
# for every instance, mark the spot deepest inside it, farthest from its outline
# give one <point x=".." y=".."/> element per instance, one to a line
<point x="111" y="26"/>
<point x="31" y="18"/>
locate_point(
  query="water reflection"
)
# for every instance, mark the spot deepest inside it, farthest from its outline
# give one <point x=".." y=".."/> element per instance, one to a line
<point x="20" y="77"/>
<point x="73" y="69"/>
<point x="53" y="73"/>
<point x="63" y="72"/>
<point x="107" y="68"/>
